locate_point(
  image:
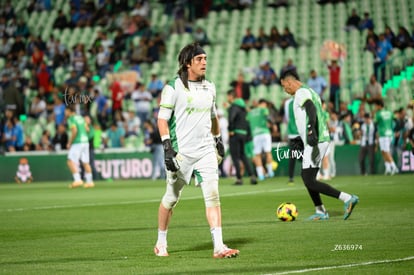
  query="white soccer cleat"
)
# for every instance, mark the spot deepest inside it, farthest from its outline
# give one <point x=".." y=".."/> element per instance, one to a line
<point x="226" y="252"/>
<point x="89" y="185"/>
<point x="161" y="251"/>
<point x="75" y="184"/>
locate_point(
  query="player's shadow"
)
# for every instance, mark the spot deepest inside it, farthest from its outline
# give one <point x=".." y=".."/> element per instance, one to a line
<point x="235" y="242"/>
<point x="335" y="213"/>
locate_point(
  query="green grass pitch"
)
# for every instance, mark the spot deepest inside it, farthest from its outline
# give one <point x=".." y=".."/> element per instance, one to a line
<point x="47" y="228"/>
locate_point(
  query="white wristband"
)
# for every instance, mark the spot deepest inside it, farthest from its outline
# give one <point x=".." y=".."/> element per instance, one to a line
<point x="217" y="136"/>
<point x="164" y="137"/>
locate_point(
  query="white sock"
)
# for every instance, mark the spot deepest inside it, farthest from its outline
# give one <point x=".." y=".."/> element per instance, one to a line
<point x="269" y="168"/>
<point x="344" y="196"/>
<point x="217" y="237"/>
<point x="76" y="177"/>
<point x="393" y="166"/>
<point x="162" y="237"/>
<point x="320" y="209"/>
<point x="88" y="177"/>
<point x="387" y="166"/>
<point x="259" y="172"/>
<point x="326" y="173"/>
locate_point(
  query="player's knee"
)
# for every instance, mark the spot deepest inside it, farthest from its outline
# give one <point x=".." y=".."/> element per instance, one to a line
<point x="211" y="194"/>
<point x="169" y="201"/>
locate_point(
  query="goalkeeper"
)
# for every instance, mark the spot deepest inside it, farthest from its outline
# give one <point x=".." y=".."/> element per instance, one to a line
<point x="190" y="134"/>
<point x="315" y="136"/>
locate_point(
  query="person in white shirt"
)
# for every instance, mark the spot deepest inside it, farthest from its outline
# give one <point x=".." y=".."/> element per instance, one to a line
<point x="190" y="134"/>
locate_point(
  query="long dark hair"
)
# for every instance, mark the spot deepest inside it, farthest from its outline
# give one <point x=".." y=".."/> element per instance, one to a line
<point x="184" y="58"/>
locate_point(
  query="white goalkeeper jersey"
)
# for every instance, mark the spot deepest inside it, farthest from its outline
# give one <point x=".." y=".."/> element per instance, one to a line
<point x="190" y="119"/>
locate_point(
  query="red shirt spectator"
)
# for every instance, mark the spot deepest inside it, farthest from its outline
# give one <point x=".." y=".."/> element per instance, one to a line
<point x="43" y="78"/>
<point x="37" y="57"/>
<point x="117" y="96"/>
<point x="334" y="73"/>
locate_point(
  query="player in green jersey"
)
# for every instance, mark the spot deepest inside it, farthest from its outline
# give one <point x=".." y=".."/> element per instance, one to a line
<point x="384" y="121"/>
<point x="78" y="146"/>
<point x="262" y="140"/>
<point x="313" y="131"/>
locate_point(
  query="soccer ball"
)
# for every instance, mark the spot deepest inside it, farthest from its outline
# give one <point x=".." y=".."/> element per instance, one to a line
<point x="287" y="212"/>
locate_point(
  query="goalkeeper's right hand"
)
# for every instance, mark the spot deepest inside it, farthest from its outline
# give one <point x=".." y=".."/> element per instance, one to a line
<point x="169" y="156"/>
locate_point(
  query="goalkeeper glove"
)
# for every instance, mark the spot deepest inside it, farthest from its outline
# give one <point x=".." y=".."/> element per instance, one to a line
<point x="219" y="148"/>
<point x="169" y="156"/>
<point x="312" y="137"/>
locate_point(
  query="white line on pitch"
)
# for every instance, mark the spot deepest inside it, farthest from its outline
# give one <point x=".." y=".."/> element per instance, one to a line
<point x="140" y="201"/>
<point x="343" y="266"/>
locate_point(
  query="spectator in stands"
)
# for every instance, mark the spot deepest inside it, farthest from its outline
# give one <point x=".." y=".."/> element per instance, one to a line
<point x="9" y="136"/>
<point x="274" y="37"/>
<point x="384" y="50"/>
<point x="114" y="136"/>
<point x="155" y="86"/>
<point x="74" y="17"/>
<point x="153" y="141"/>
<point x="45" y="143"/>
<point x="78" y="59"/>
<point x="119" y="43"/>
<point x="142" y="99"/>
<point x="11" y="27"/>
<point x="287" y="39"/>
<point x="366" y="22"/>
<point x="22" y="29"/>
<point x="266" y="75"/>
<point x="133" y="124"/>
<point x="5" y="47"/>
<point x="241" y="88"/>
<point x="179" y="18"/>
<point x="8" y="10"/>
<point x="60" y="140"/>
<point x="335" y="83"/>
<point x="141" y="8"/>
<point x="317" y="83"/>
<point x="138" y="54"/>
<point x="373" y="90"/>
<point x="61" y="21"/>
<point x="153" y="52"/>
<point x="38" y="108"/>
<point x="103" y="110"/>
<point x="289" y="66"/>
<point x="43" y="78"/>
<point x="371" y="46"/>
<point x="159" y="42"/>
<point x="248" y="41"/>
<point x="389" y="35"/>
<point x="58" y="109"/>
<point x="17" y="46"/>
<point x="117" y="95"/>
<point x="28" y="144"/>
<point x="200" y="36"/>
<point x="11" y="97"/>
<point x="102" y="61"/>
<point x="37" y="57"/>
<point x="352" y="23"/>
<point x="262" y="39"/>
<point x="402" y="40"/>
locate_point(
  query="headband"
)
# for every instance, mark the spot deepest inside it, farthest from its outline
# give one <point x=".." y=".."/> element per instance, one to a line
<point x="197" y="51"/>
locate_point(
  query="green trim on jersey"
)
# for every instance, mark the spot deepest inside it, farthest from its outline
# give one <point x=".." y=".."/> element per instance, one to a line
<point x="172" y="82"/>
<point x="173" y="135"/>
<point x="292" y="129"/>
<point x="198" y="177"/>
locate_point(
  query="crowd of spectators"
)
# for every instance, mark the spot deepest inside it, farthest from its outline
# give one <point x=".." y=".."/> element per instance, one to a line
<point x="272" y="40"/>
